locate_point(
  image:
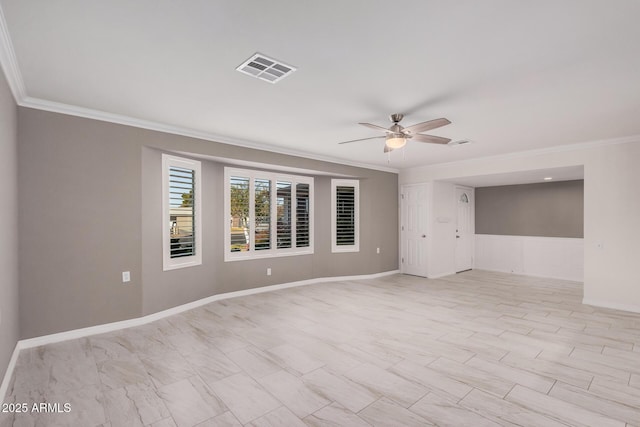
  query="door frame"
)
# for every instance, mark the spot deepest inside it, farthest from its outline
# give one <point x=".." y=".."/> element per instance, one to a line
<point x="472" y="206"/>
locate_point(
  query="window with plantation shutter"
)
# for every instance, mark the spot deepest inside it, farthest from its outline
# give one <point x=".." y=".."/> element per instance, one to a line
<point x="262" y="189"/>
<point x="283" y="231"/>
<point x="239" y="207"/>
<point x="181" y="212"/>
<point x="303" y="224"/>
<point x="267" y="214"/>
<point x="345" y="206"/>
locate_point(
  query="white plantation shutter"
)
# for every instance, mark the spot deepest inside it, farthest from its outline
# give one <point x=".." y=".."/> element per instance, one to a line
<point x="239" y="208"/>
<point x="182" y="245"/>
<point x="345" y="215"/>
<point x="303" y="215"/>
<point x="262" y="207"/>
<point x="277" y="211"/>
<point x="284" y="214"/>
<point x="182" y="212"/>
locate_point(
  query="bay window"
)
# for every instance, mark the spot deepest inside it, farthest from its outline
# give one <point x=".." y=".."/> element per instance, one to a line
<point x="267" y="214"/>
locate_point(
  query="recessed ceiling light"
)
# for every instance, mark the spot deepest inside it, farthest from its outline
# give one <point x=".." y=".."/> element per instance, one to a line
<point x="548" y="178"/>
<point x="265" y="68"/>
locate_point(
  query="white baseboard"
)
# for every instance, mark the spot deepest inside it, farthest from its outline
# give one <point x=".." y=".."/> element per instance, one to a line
<point x="437" y="276"/>
<point x="612" y="305"/>
<point x="110" y="327"/>
<point x="520" y="273"/>
<point x="9" y="372"/>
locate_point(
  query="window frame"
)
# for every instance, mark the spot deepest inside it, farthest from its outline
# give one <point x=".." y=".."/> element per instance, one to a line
<point x="335" y="183"/>
<point x="169" y="263"/>
<point x="274" y="178"/>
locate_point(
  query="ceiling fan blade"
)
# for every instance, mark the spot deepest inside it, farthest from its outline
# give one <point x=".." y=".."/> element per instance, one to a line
<point x="430" y="138"/>
<point x="361" y="139"/>
<point x="425" y="126"/>
<point x="376" y="127"/>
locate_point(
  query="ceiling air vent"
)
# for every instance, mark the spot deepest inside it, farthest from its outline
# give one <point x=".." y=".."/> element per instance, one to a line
<point x="265" y="68"/>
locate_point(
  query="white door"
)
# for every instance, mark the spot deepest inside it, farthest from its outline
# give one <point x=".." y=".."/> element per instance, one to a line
<point x="464" y="229"/>
<point x="413" y="230"/>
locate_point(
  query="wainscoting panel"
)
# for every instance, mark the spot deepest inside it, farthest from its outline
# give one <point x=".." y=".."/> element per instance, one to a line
<point x="555" y="257"/>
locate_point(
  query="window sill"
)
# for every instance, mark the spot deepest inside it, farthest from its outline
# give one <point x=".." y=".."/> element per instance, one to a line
<point x="169" y="267"/>
<point x="344" y="249"/>
<point x="243" y="256"/>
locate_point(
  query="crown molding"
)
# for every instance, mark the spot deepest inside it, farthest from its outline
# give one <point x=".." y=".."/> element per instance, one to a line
<point x="9" y="62"/>
<point x="538" y="151"/>
<point x="72" y="110"/>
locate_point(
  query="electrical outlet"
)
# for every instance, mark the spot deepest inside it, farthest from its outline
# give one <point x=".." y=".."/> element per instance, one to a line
<point x="269" y="271"/>
<point x="377" y="250"/>
<point x="126" y="276"/>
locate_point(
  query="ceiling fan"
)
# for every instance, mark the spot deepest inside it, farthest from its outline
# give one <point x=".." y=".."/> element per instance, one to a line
<point x="397" y="136"/>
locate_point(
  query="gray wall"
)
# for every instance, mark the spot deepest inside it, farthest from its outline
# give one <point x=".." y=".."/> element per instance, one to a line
<point x="90" y="208"/>
<point x="550" y="209"/>
<point x="9" y="220"/>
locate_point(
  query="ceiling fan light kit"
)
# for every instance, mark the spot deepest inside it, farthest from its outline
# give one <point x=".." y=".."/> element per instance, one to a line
<point x="395" y="140"/>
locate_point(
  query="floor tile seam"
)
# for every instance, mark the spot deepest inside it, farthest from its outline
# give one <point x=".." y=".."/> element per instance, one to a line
<point x="469" y="392"/>
<point x="458" y="403"/>
<point x="381" y="396"/>
<point x="545" y="374"/>
<point x="630" y="370"/>
<point x="273" y="396"/>
<point x="498" y="415"/>
<point x="544" y="414"/>
<point x="282" y="405"/>
<point x="599" y="397"/>
<point x="331" y="402"/>
<point x="583" y="370"/>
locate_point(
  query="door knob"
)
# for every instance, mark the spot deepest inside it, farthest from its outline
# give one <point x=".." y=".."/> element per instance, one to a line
<point x="424" y="235"/>
<point x="457" y="237"/>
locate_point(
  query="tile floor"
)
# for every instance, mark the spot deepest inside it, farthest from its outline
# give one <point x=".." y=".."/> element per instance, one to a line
<point x="474" y="349"/>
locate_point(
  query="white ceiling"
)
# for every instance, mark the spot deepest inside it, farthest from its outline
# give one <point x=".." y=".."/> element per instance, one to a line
<point x="510" y="75"/>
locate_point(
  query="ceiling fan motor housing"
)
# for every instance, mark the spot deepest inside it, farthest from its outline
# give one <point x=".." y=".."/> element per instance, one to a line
<point x="397" y="117"/>
<point x="396" y="129"/>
